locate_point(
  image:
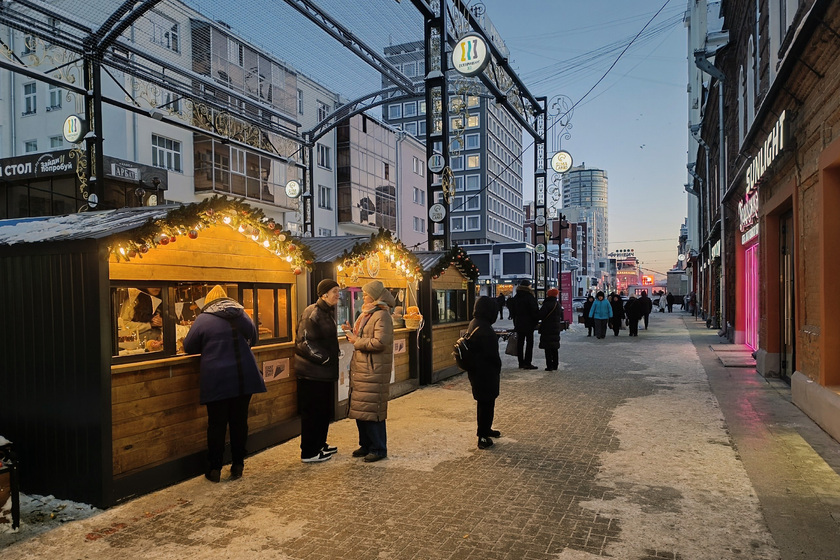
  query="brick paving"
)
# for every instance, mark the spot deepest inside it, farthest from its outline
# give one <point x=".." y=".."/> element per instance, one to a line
<point x="586" y="467"/>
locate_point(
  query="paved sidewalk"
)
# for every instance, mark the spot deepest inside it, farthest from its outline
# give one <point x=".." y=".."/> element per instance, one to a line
<point x="638" y="448"/>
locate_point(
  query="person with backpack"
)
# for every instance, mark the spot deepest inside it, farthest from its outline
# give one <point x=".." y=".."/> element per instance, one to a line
<point x="485" y="368"/>
<point x="551" y="316"/>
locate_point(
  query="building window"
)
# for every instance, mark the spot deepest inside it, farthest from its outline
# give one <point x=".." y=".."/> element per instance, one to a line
<point x="55" y="98"/>
<point x="419" y="196"/>
<point x="473" y="223"/>
<point x="30" y="98"/>
<point x="411" y="128"/>
<point x="473" y="202"/>
<point x="422" y="107"/>
<point x="30" y="146"/>
<point x="300" y="101"/>
<point x="324" y="232"/>
<point x="164" y="32"/>
<point x="395" y="111"/>
<point x="386" y="171"/>
<point x="473" y="182"/>
<point x="166" y="153"/>
<point x="323" y="111"/>
<point x="457" y="163"/>
<point x="236" y="52"/>
<point x="29" y="42"/>
<point x="473" y="141"/>
<point x="459" y="183"/>
<point x="409" y="69"/>
<point x="324" y="197"/>
<point x="419" y="225"/>
<point x="474" y="161"/>
<point x="457" y="223"/>
<point x="473" y="121"/>
<point x="56" y="141"/>
<point x="410" y="109"/>
<point x="237" y="161"/>
<point x="324" y="157"/>
<point x="421" y="128"/>
<point x="417" y="166"/>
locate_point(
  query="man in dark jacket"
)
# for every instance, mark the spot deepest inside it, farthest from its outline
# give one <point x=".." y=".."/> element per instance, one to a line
<point x="525" y="314"/>
<point x="588" y="321"/>
<point x="670" y="300"/>
<point x="645" y="307"/>
<point x="500" y="303"/>
<point x="223" y="334"/>
<point x="551" y="316"/>
<point x="633" y="309"/>
<point x="316" y="366"/>
<point x="485" y="372"/>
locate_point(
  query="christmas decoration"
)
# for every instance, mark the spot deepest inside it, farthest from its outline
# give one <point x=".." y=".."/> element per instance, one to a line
<point x="458" y="258"/>
<point x="212" y="211"/>
<point x="391" y="250"/>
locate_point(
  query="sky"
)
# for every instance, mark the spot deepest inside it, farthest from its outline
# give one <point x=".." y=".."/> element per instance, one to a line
<point x="632" y="123"/>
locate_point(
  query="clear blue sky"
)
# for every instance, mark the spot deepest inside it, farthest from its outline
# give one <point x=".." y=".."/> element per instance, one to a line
<point x="633" y="124"/>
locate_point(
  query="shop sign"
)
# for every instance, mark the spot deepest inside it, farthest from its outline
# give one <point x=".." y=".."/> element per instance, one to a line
<point x="561" y="161"/>
<point x="133" y="172"/>
<point x="770" y="150"/>
<point x="749" y="235"/>
<point x="748" y="211"/>
<point x="437" y="213"/>
<point x="36" y="165"/>
<point x="470" y="56"/>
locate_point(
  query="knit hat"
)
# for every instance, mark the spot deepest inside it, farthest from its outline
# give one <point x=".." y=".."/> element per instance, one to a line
<point x="553" y="292"/>
<point x="216" y="293"/>
<point x="325" y="286"/>
<point x="525" y="282"/>
<point x="374" y="289"/>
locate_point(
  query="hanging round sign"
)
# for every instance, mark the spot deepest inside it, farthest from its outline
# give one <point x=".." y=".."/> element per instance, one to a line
<point x="561" y="161"/>
<point x="437" y="212"/>
<point x="75" y="128"/>
<point x="539" y="248"/>
<point x="436" y="163"/>
<point x="540" y="221"/>
<point x="293" y="189"/>
<point x="470" y="55"/>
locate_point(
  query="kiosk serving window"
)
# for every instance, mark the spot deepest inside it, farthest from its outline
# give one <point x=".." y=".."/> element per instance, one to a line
<point x="449" y="306"/>
<point x="152" y="320"/>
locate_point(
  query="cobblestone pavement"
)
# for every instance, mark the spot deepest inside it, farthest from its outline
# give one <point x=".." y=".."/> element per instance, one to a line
<point x="623" y="453"/>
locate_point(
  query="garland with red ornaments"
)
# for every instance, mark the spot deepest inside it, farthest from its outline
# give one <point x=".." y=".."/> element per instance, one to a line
<point x="188" y="220"/>
<point x="392" y="249"/>
<point x="458" y="258"/>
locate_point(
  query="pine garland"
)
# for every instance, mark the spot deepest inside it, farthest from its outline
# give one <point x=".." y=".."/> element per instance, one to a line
<point x="460" y="259"/>
<point x="393" y="249"/>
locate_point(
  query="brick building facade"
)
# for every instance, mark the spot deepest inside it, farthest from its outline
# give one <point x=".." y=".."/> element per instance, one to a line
<point x="772" y="287"/>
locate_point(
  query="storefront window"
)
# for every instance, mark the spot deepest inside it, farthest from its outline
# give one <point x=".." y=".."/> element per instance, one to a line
<point x="450" y="306"/>
<point x="156" y="319"/>
<point x="350" y="302"/>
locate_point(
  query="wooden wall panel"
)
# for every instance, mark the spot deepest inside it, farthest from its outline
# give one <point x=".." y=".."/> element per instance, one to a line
<point x="443" y="339"/>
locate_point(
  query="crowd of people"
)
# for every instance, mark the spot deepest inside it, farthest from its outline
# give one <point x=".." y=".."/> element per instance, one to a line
<point x="223" y="334"/>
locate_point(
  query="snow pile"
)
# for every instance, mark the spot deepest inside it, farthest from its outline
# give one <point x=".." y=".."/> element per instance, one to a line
<point x="39" y="514"/>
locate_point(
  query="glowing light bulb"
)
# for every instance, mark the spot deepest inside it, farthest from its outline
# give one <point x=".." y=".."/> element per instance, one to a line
<point x="122" y="251"/>
<point x="289" y="258"/>
<point x="266" y="243"/>
<point x="340" y="268"/>
<point x="226" y="220"/>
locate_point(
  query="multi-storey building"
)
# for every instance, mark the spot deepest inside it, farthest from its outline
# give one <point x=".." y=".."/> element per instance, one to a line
<point x="485" y="148"/>
<point x="767" y="157"/>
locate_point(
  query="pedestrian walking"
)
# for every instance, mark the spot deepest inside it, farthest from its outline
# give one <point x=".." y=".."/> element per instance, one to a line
<point x="633" y="311"/>
<point x="525" y="314"/>
<point x="617" y="313"/>
<point x="645" y="307"/>
<point x="600" y="312"/>
<point x="663" y="302"/>
<point x="316" y="366"/>
<point x="551" y="316"/>
<point x="500" y="303"/>
<point x="485" y="369"/>
<point x="669" y="299"/>
<point x="588" y="321"/>
<point x="228" y="375"/>
<point x="372" y="337"/>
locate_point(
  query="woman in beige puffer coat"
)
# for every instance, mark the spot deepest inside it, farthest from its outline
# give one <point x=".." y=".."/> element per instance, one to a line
<point x="370" y="370"/>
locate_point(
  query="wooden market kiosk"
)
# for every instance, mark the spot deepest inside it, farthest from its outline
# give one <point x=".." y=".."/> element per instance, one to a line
<point x="447" y="299"/>
<point x="101" y="410"/>
<point x="353" y="261"/>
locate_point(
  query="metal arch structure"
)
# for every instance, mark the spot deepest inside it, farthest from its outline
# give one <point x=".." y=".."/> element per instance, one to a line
<point x="353" y="108"/>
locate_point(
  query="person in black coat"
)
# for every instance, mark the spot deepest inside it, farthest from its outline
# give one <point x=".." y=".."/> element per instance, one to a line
<point x="484" y="375"/>
<point x="316" y="366"/>
<point x="670" y="301"/>
<point x="633" y="309"/>
<point x="551" y="317"/>
<point x="223" y="334"/>
<point x="618" y="312"/>
<point x="500" y="303"/>
<point x="525" y="314"/>
<point x="588" y="321"/>
<point x="645" y="307"/>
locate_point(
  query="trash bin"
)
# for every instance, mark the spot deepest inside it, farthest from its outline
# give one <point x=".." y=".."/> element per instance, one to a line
<point x="9" y="481"/>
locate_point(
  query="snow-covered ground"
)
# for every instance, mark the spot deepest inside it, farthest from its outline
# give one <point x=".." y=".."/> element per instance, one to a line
<point x="39" y="514"/>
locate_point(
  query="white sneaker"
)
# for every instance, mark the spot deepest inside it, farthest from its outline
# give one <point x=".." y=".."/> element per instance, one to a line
<point x="319" y="458"/>
<point x="329" y="449"/>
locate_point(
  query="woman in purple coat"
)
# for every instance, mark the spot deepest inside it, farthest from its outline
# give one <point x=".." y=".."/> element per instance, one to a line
<point x="223" y="334"/>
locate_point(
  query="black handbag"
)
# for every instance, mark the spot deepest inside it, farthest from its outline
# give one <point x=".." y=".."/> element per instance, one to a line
<point x="510" y="349"/>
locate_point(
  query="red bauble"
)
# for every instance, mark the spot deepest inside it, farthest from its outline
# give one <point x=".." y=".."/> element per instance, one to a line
<point x="132" y="253"/>
<point x="292" y="247"/>
<point x="164" y="240"/>
<point x="298" y="270"/>
<point x="144" y="249"/>
<point x="192" y="234"/>
<point x="173" y="239"/>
